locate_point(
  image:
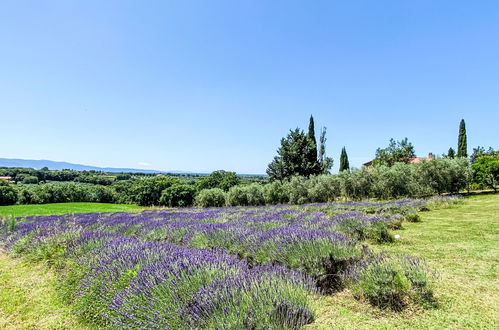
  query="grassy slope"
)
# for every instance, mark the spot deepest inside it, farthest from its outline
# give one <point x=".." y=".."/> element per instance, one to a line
<point x="28" y="299"/>
<point x="462" y="244"/>
<point x="63" y="208"/>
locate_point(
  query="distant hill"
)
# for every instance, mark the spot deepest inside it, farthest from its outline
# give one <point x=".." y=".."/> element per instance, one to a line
<point x="53" y="165"/>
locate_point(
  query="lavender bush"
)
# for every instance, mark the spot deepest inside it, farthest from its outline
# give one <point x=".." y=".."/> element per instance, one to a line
<point x="232" y="267"/>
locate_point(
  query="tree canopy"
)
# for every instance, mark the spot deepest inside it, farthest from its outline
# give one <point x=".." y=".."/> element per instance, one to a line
<point x="344" y="164"/>
<point x="480" y="152"/>
<point x="462" y="144"/>
<point x="396" y="152"/>
<point x="298" y="155"/>
<point x="486" y="171"/>
<point x="219" y="179"/>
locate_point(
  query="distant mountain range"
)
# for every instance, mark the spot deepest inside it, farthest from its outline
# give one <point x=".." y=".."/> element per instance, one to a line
<point x="53" y="165"/>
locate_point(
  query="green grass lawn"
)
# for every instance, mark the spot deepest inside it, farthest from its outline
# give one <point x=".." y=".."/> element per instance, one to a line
<point x="64" y="208"/>
<point x="462" y="244"/>
<point x="28" y="299"/>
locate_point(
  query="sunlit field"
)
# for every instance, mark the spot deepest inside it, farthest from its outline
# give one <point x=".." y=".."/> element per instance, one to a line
<point x="251" y="267"/>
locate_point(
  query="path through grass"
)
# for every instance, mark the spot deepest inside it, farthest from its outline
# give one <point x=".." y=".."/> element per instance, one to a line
<point x="462" y="244"/>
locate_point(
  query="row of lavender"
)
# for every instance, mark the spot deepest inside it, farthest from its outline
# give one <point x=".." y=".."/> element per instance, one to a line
<point x="115" y="281"/>
<point x="221" y="267"/>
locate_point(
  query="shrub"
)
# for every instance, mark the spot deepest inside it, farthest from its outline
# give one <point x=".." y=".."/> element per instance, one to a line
<point x="392" y="282"/>
<point x="296" y="190"/>
<point x="362" y="227"/>
<point x="356" y="184"/>
<point x="178" y="195"/>
<point x="273" y="193"/>
<point x="29" y="179"/>
<point x="323" y="188"/>
<point x="8" y="195"/>
<point x="245" y="195"/>
<point x="147" y="191"/>
<point x="210" y="197"/>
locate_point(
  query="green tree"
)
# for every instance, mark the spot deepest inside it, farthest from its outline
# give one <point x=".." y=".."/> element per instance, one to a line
<point x="480" y="152"/>
<point x="486" y="171"/>
<point x="312" y="147"/>
<point x="219" y="179"/>
<point x="344" y="164"/>
<point x="325" y="162"/>
<point x="396" y="152"/>
<point x="297" y="155"/>
<point x="147" y="191"/>
<point x="462" y="144"/>
<point x="451" y="153"/>
<point x="8" y="194"/>
<point x="291" y="157"/>
<point x="211" y="197"/>
<point x="178" y="195"/>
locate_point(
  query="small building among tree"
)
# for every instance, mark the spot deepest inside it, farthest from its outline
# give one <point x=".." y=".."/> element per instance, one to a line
<point x="409" y="160"/>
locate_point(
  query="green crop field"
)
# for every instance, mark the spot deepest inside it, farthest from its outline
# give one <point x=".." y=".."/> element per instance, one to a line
<point x="461" y="243"/>
<point x="64" y="208"/>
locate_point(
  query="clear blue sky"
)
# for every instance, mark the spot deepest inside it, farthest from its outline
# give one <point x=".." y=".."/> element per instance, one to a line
<point x="206" y="85"/>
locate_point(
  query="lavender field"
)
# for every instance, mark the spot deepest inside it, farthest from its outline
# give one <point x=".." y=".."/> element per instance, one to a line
<point x="233" y="267"/>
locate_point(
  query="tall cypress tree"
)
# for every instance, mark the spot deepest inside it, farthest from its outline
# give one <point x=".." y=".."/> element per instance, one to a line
<point x="311" y="156"/>
<point x="344" y="164"/>
<point x="462" y="144"/>
<point x="313" y="141"/>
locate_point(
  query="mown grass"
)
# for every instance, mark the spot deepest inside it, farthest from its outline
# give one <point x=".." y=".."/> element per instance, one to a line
<point x="64" y="208"/>
<point x="28" y="299"/>
<point x="462" y="244"/>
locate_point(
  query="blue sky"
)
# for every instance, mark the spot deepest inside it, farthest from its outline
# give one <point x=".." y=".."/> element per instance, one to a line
<point x="206" y="85"/>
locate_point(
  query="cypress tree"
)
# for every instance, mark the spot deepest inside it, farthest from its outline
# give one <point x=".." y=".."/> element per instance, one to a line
<point x="313" y="142"/>
<point x="451" y="153"/>
<point x="344" y="164"/>
<point x="462" y="144"/>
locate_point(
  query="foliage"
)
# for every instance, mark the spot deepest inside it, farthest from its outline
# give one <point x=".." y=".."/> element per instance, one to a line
<point x="344" y="164"/>
<point x="274" y="193"/>
<point x="65" y="192"/>
<point x="245" y="195"/>
<point x="147" y="191"/>
<point x="397" y="151"/>
<point x="297" y="155"/>
<point x="325" y="162"/>
<point x="480" y="151"/>
<point x="486" y="171"/>
<point x="311" y="155"/>
<point x="462" y="144"/>
<point x="8" y="194"/>
<point x="178" y="195"/>
<point x="451" y="153"/>
<point x="219" y="179"/>
<point x="393" y="282"/>
<point x="210" y="197"/>
<point x="297" y="190"/>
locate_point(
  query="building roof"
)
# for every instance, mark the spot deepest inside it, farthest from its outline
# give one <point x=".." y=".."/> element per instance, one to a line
<point x="411" y="160"/>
